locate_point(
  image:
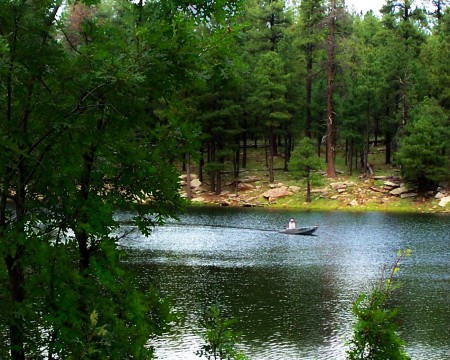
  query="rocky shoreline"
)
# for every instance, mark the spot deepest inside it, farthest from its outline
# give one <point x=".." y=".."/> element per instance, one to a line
<point x="377" y="193"/>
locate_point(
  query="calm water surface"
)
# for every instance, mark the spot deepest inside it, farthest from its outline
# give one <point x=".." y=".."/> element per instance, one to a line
<point x="293" y="294"/>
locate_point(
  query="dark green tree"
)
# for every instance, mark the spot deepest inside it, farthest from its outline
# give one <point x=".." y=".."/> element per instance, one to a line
<point x="269" y="101"/>
<point x="423" y="153"/>
<point x="311" y="37"/>
<point x="90" y="123"/>
<point x="305" y="162"/>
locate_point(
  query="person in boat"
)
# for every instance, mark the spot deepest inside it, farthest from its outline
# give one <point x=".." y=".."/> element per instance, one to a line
<point x="291" y="224"/>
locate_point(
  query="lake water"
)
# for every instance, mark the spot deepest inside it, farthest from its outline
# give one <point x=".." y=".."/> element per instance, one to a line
<point x="293" y="294"/>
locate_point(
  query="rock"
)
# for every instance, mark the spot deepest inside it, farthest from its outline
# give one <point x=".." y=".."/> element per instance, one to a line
<point x="245" y="186"/>
<point x="336" y="186"/>
<point x="444" y="201"/>
<point x="195" y="183"/>
<point x="399" y="191"/>
<point x="250" y="179"/>
<point x="225" y="203"/>
<point x="277" y="193"/>
<point x="341" y="190"/>
<point x="335" y="197"/>
<point x="439" y="196"/>
<point x="391" y="184"/>
<point x="354" y="202"/>
<point x="373" y="188"/>
<point x="199" y="190"/>
<point x="408" y="195"/>
<point x="184" y="176"/>
<point x="294" y="188"/>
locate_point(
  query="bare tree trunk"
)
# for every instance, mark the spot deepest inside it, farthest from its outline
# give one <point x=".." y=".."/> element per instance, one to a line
<point x="309" y="63"/>
<point x="330" y="135"/>
<point x="366" y="147"/>
<point x="350" y="157"/>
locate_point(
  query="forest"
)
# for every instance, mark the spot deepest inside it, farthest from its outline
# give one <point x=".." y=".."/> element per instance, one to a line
<point x="101" y="101"/>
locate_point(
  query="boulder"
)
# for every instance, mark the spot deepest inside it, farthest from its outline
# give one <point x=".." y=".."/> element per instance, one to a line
<point x="354" y="202"/>
<point x="399" y="191"/>
<point x="439" y="196"/>
<point x="294" y="188"/>
<point x="277" y="193"/>
<point x="246" y="186"/>
<point x="408" y="195"/>
<point x="391" y="184"/>
<point x="336" y="186"/>
<point x="195" y="183"/>
<point x="444" y="201"/>
<point x="249" y="179"/>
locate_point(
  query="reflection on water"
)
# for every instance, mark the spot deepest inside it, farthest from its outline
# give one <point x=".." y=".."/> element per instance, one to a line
<point x="293" y="294"/>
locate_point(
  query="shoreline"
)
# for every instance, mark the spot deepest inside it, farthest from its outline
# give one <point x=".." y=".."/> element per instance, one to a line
<point x="339" y="194"/>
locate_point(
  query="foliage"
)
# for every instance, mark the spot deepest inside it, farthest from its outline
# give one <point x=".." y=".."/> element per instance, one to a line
<point x="305" y="162"/>
<point x="375" y="334"/>
<point x="422" y="152"/>
<point x="220" y="338"/>
<point x="304" y="158"/>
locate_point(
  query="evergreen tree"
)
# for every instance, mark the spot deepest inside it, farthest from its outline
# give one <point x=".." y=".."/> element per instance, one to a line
<point x="305" y="162"/>
<point x="423" y="153"/>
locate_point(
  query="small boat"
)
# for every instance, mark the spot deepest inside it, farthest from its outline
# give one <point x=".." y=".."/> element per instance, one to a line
<point x="307" y="230"/>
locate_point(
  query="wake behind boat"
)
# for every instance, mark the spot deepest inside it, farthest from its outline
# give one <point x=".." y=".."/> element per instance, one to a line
<point x="306" y="230"/>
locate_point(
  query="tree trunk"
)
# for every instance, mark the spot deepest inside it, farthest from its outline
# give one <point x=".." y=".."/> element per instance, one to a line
<point x="16" y="279"/>
<point x="308" y="185"/>
<point x="287" y="151"/>
<point x="188" y="177"/>
<point x="330" y="135"/>
<point x="236" y="163"/>
<point x="350" y="157"/>
<point x="309" y="64"/>
<point x="244" y="151"/>
<point x="271" y="156"/>
<point x="388" y="141"/>
<point x="219" y="183"/>
<point x="366" y="147"/>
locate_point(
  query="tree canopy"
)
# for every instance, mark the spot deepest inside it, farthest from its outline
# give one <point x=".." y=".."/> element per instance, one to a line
<point x="101" y="101"/>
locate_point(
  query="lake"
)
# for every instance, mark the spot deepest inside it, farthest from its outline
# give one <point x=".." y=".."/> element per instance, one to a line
<point x="293" y="294"/>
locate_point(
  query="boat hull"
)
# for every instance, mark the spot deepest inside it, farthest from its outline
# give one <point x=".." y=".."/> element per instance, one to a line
<point x="300" y="231"/>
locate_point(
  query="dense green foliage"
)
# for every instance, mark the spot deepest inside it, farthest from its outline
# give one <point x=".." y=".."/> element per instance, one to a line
<point x="219" y="336"/>
<point x="375" y="335"/>
<point x="101" y="100"/>
<point x="304" y="163"/>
